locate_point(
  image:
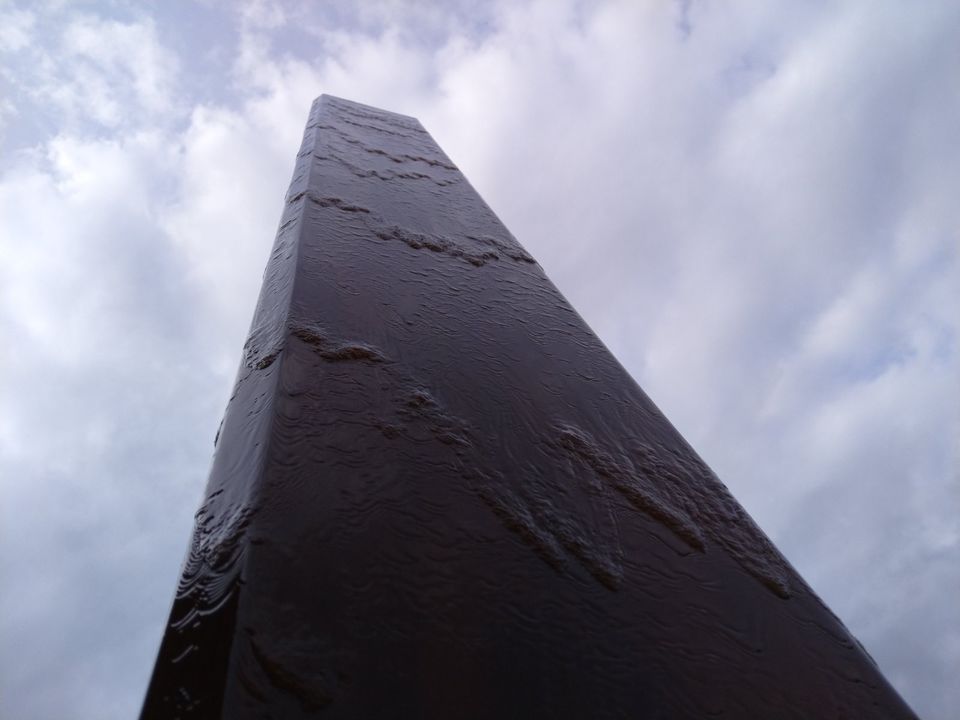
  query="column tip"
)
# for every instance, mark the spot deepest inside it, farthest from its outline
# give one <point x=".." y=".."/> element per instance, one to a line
<point x="335" y="100"/>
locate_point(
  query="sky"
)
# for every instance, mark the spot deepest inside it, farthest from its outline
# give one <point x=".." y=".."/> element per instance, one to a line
<point x="753" y="204"/>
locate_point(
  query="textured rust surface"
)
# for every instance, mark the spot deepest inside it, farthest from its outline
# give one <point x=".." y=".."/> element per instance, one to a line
<point x="436" y="494"/>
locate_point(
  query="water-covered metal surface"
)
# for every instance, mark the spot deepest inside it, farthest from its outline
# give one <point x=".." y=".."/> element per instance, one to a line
<point x="436" y="494"/>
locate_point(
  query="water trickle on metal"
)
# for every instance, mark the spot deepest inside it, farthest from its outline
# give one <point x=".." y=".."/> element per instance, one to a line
<point x="436" y="494"/>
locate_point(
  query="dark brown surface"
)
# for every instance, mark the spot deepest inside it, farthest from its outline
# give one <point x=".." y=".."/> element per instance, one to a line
<point x="437" y="495"/>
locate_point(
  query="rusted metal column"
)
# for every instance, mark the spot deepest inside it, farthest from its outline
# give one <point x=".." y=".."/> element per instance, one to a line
<point x="436" y="494"/>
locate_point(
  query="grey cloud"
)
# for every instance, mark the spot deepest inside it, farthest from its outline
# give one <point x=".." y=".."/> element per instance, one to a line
<point x="755" y="209"/>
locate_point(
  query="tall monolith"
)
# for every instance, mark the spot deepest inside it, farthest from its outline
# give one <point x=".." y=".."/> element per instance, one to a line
<point x="436" y="494"/>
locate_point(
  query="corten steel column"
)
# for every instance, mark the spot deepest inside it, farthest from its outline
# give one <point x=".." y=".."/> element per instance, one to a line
<point x="436" y="494"/>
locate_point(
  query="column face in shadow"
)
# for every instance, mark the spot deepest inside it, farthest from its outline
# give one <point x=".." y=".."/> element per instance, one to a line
<point x="436" y="494"/>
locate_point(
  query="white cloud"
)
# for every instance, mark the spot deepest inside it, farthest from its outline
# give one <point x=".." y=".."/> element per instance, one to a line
<point x="126" y="54"/>
<point x="754" y="207"/>
<point x="93" y="314"/>
<point x="230" y="193"/>
<point x="262" y="15"/>
<point x="87" y="69"/>
<point x="16" y="29"/>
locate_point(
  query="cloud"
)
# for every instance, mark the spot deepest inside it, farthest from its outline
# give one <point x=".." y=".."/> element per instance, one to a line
<point x="125" y="55"/>
<point x="753" y="207"/>
<point x="93" y="315"/>
<point x="90" y="70"/>
<point x="16" y="29"/>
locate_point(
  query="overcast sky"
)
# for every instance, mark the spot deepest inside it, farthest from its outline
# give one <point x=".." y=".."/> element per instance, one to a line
<point x="754" y="204"/>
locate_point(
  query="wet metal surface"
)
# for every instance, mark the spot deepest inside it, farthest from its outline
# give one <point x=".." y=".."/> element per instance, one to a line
<point x="436" y="494"/>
